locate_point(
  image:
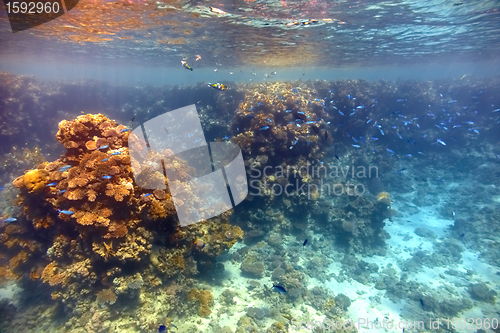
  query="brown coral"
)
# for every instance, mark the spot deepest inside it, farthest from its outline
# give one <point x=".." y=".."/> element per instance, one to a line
<point x="106" y="296"/>
<point x="204" y="299"/>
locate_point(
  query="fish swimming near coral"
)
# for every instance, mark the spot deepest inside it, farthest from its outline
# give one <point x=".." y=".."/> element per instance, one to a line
<point x="186" y="65"/>
<point x="106" y="177"/>
<point x="10" y="220"/>
<point x="279" y="289"/>
<point x="305" y="242"/>
<point x="51" y="184"/>
<point x="103" y="147"/>
<point x="162" y="329"/>
<point x="65" y="212"/>
<point x="65" y="168"/>
<point x="115" y="153"/>
<point x="218" y="86"/>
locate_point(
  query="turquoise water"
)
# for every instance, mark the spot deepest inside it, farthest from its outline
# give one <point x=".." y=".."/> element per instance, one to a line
<point x="365" y="198"/>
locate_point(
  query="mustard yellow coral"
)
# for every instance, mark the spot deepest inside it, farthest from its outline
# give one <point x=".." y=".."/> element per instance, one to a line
<point x="35" y="180"/>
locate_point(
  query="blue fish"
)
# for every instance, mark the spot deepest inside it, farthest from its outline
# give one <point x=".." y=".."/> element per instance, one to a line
<point x="65" y="168"/>
<point x="103" y="147"/>
<point x="399" y="135"/>
<point x="360" y="107"/>
<point x="381" y="131"/>
<point x="146" y="195"/>
<point x="374" y="138"/>
<point x="124" y="130"/>
<point x="279" y="289"/>
<point x="162" y="329"/>
<point x="356" y="146"/>
<point x="265" y="128"/>
<point x="341" y="113"/>
<point x="10" y="220"/>
<point x="368" y="121"/>
<point x="61" y="191"/>
<point x="441" y="142"/>
<point x="310" y="122"/>
<point x="401" y="170"/>
<point x="294" y="143"/>
<point x="65" y="212"/>
<point x="104" y="160"/>
<point x="115" y="153"/>
<point x="51" y="184"/>
<point x="106" y="177"/>
<point x="305" y="242"/>
<point x="337" y="157"/>
<point x="400" y="100"/>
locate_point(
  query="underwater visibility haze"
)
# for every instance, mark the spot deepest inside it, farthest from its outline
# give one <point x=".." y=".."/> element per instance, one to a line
<point x="251" y="166"/>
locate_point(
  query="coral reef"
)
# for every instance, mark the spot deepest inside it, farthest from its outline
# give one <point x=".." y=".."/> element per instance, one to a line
<point x="83" y="219"/>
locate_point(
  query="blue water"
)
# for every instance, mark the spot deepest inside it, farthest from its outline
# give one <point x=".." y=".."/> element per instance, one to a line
<point x="370" y="150"/>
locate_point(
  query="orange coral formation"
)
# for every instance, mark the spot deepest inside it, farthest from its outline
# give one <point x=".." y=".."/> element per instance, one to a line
<point x="94" y="212"/>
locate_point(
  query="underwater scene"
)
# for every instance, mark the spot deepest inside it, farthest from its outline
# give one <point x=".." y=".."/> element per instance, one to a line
<point x="250" y="166"/>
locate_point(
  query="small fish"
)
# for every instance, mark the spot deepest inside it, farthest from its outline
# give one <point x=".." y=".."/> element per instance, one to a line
<point x="65" y="212"/>
<point x="497" y="110"/>
<point x="422" y="302"/>
<point x="390" y="150"/>
<point x="441" y="142"/>
<point x="146" y="195"/>
<point x="103" y="147"/>
<point x="61" y="191"/>
<point x="453" y="215"/>
<point x="104" y="160"/>
<point x="399" y="135"/>
<point x="461" y="236"/>
<point x="305" y="242"/>
<point x="381" y="131"/>
<point x="162" y="329"/>
<point x="186" y="65"/>
<point x="115" y="153"/>
<point x="218" y="86"/>
<point x="374" y="138"/>
<point x="356" y="146"/>
<point x="51" y="184"/>
<point x="124" y="130"/>
<point x="279" y="289"/>
<point x="400" y="100"/>
<point x="65" y="168"/>
<point x="273" y="73"/>
<point x="10" y="220"/>
<point x="265" y="128"/>
<point x="401" y="170"/>
<point x="106" y="177"/>
<point x="337" y="157"/>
